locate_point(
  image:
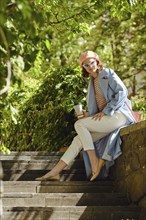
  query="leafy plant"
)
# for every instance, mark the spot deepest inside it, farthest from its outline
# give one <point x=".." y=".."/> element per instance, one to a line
<point x="46" y="120"/>
<point x="139" y="104"/>
<point x="42" y="41"/>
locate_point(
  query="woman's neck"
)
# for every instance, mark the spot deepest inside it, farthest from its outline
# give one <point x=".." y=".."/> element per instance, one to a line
<point x="95" y="75"/>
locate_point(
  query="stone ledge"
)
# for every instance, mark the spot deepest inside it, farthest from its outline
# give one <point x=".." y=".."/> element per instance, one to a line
<point x="133" y="127"/>
<point x="129" y="171"/>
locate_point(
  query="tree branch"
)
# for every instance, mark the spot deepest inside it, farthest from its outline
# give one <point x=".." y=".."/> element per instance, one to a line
<point x="71" y="17"/>
<point x="8" y="79"/>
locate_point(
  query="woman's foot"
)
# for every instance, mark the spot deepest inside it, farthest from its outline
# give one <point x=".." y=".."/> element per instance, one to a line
<point x="54" y="173"/>
<point x="45" y="178"/>
<point x="96" y="173"/>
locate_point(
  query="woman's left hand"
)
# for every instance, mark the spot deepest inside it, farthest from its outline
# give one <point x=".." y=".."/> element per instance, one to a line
<point x="98" y="115"/>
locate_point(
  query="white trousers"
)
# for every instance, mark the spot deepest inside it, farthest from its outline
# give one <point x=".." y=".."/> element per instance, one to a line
<point x="90" y="130"/>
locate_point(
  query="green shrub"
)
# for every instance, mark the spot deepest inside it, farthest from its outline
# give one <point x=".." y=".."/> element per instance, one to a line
<point x="45" y="121"/>
<point x="139" y="104"/>
<point x="41" y="116"/>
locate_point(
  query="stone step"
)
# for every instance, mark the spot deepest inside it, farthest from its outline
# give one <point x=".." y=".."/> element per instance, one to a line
<point x="29" y="157"/>
<point x="70" y="198"/>
<point x="57" y="187"/>
<point x="63" y="199"/>
<point x="72" y="213"/>
<point x="30" y="175"/>
<point x="32" y="153"/>
<point x="38" y="164"/>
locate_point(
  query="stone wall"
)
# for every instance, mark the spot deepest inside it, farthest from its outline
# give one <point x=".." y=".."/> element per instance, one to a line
<point x="129" y="171"/>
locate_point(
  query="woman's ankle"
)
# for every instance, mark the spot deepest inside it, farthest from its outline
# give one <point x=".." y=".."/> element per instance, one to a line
<point x="95" y="166"/>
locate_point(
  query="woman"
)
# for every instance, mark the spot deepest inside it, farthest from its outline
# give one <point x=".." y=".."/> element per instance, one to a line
<point x="107" y="111"/>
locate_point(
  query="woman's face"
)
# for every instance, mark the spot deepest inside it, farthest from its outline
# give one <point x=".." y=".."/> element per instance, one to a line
<point x="91" y="66"/>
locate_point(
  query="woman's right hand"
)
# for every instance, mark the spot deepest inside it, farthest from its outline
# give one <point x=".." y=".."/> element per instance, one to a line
<point x="85" y="114"/>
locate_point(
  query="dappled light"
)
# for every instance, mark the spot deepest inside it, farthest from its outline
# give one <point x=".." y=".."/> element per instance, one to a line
<point x="42" y="78"/>
<point x="43" y="42"/>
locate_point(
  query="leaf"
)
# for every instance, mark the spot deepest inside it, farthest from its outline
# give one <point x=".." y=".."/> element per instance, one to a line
<point x="48" y="44"/>
<point x="13" y="110"/>
<point x="14" y="120"/>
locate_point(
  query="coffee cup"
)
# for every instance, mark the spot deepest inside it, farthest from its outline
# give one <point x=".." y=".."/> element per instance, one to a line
<point x="78" y="109"/>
